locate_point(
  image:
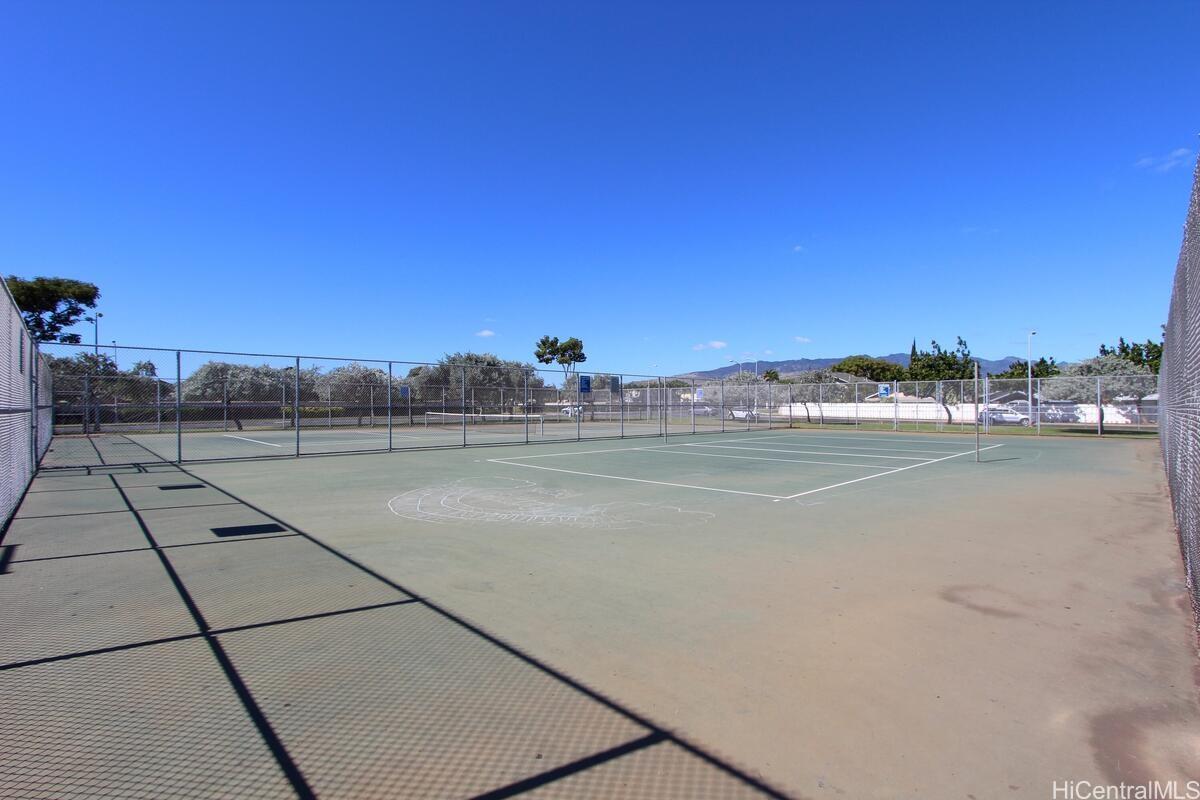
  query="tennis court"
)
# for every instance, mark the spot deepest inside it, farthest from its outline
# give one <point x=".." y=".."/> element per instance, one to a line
<point x="762" y="613"/>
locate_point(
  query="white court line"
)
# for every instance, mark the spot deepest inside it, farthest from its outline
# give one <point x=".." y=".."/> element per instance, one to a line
<point x="842" y="446"/>
<point x="635" y="480"/>
<point x="580" y="452"/>
<point x="889" y="472"/>
<point x="246" y="439"/>
<point x="878" y="436"/>
<point x="809" y="452"/>
<point x="762" y="458"/>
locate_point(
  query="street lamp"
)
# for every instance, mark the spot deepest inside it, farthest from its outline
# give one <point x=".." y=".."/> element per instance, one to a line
<point x="96" y="333"/>
<point x="1029" y="372"/>
<point x="739" y="365"/>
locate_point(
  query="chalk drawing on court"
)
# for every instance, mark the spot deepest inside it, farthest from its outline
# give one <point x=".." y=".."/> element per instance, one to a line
<point x="521" y="502"/>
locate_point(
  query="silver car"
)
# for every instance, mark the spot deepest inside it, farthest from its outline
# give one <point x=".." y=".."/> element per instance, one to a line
<point x="1004" y="416"/>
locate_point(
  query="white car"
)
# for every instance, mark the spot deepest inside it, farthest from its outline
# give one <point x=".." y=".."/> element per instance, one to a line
<point x="1004" y="416"/>
<point x="743" y="413"/>
<point x="572" y="411"/>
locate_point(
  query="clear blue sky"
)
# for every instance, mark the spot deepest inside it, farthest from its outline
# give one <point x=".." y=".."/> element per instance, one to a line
<point x="788" y="180"/>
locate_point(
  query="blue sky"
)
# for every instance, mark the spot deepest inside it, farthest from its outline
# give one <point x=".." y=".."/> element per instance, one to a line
<point x="678" y="184"/>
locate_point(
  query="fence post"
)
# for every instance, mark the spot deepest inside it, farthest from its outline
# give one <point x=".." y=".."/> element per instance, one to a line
<point x="525" y="402"/>
<point x="178" y="407"/>
<point x="1039" y="407"/>
<point x="389" y="407"/>
<point x="895" y="405"/>
<point x="821" y="402"/>
<point x="158" y="403"/>
<point x="87" y="404"/>
<point x="33" y="405"/>
<point x="770" y="403"/>
<point x="693" y="406"/>
<point x="464" y="404"/>
<point x="1099" y="410"/>
<point x="296" y="404"/>
<point x="621" y="402"/>
<point x="666" y="405"/>
<point x="225" y="405"/>
<point x="371" y="400"/>
<point x="722" y="405"/>
<point x="856" y="405"/>
<point x="977" y="410"/>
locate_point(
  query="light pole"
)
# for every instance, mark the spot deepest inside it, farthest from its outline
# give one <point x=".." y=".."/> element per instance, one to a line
<point x="1029" y="372"/>
<point x="96" y="334"/>
<point x="739" y="366"/>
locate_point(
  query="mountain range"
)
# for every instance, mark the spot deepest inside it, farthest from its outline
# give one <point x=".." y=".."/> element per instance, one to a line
<point x="796" y="365"/>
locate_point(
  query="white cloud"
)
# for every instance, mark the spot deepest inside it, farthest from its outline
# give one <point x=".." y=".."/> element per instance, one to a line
<point x="1165" y="163"/>
<point x="715" y="344"/>
<point x="485" y="333"/>
<point x="768" y="352"/>
<point x="798" y="248"/>
<point x="802" y="339"/>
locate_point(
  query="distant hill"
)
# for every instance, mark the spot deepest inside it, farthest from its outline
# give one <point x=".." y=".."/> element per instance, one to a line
<point x="797" y="365"/>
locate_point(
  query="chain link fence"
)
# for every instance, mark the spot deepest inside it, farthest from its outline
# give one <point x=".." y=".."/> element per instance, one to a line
<point x="115" y="405"/>
<point x="25" y="416"/>
<point x="1181" y="394"/>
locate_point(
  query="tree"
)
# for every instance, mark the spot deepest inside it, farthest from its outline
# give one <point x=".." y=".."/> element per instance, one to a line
<point x="1042" y="368"/>
<point x="1147" y="354"/>
<point x="875" y="369"/>
<point x="1119" y="376"/>
<point x="483" y="371"/>
<point x="567" y="354"/>
<point x="51" y="304"/>
<point x="937" y="364"/>
<point x="771" y="376"/>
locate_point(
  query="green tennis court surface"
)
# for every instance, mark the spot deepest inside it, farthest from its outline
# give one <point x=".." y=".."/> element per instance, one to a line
<point x="760" y="613"/>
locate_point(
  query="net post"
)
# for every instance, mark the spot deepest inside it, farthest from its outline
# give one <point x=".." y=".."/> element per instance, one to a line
<point x="525" y="401"/>
<point x="178" y="407"/>
<point x="389" y="407"/>
<point x="463" y="373"/>
<point x="296" y="404"/>
<point x="976" y="398"/>
<point x="578" y="410"/>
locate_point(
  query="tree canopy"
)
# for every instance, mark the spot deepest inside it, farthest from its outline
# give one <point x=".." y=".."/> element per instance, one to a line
<point x="567" y="354"/>
<point x="1144" y="354"/>
<point x="1042" y="368"/>
<point x="51" y="304"/>
<point x="875" y="369"/>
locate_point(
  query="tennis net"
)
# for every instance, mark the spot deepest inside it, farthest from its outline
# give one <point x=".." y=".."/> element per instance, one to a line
<point x="448" y="420"/>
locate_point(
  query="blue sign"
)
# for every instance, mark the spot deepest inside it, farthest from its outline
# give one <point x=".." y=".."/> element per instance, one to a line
<point x="614" y="384"/>
<point x="404" y="392"/>
<point x="699" y="394"/>
<point x="885" y="390"/>
<point x="585" y="383"/>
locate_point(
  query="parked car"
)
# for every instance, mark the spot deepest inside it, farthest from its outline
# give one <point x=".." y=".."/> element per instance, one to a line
<point x="1004" y="416"/>
<point x="743" y="413"/>
<point x="571" y="411"/>
<point x="704" y="411"/>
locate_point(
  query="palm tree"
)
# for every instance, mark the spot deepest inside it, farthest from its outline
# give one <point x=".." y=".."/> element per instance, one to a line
<point x="771" y="376"/>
